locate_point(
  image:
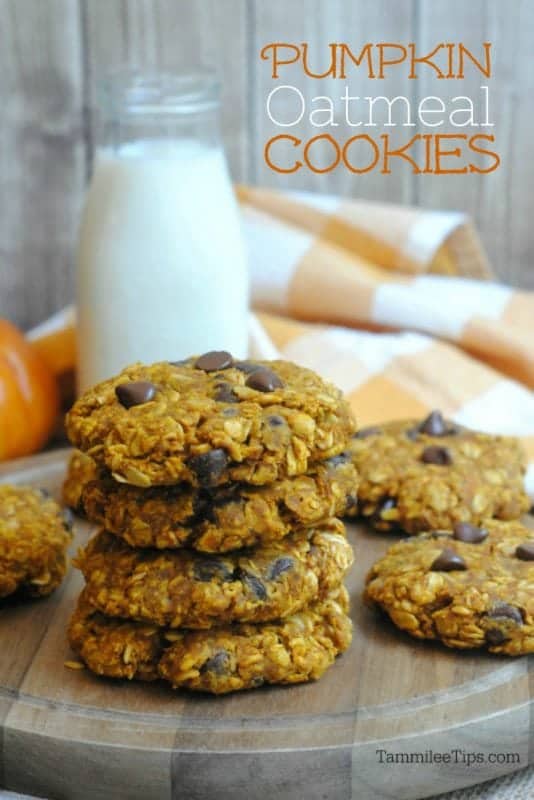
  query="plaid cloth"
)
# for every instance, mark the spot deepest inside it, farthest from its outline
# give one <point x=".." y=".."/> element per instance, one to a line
<point x="378" y="300"/>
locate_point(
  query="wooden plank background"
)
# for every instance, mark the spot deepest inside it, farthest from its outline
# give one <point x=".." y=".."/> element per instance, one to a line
<point x="52" y="53"/>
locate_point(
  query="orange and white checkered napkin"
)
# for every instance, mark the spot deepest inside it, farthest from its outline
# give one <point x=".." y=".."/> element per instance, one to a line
<point x="394" y="306"/>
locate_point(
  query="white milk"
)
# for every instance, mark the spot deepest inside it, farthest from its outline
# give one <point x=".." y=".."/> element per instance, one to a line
<point x="161" y="266"/>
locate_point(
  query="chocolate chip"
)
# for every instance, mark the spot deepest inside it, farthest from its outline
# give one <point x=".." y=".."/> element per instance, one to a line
<point x="264" y="380"/>
<point x="335" y="461"/>
<point x="525" y="551"/>
<point x="45" y="494"/>
<point x="278" y="567"/>
<point x="351" y="504"/>
<point x="247" y="366"/>
<point x="203" y="509"/>
<point x="218" y="663"/>
<point x="214" y="360"/>
<point x="447" y="561"/>
<point x="436" y="455"/>
<point x="229" y="493"/>
<point x="275" y="420"/>
<point x="169" y="493"/>
<point x="438" y="604"/>
<point x="68" y="518"/>
<point x="494" y="636"/>
<point x="225" y="394"/>
<point x="386" y="504"/>
<point x="135" y="393"/>
<point x="252" y="583"/>
<point x="465" y="532"/>
<point x="208" y="467"/>
<point x="506" y="611"/>
<point x="206" y="569"/>
<point x="434" y="425"/>
<point x="372" y="430"/>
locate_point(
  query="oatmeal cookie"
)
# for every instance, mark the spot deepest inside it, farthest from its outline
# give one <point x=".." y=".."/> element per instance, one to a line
<point x="34" y="536"/>
<point x="179" y="588"/>
<point x="297" y="649"/>
<point x="226" y="518"/>
<point x="471" y="587"/>
<point x="419" y="476"/>
<point x="80" y="470"/>
<point x="210" y="420"/>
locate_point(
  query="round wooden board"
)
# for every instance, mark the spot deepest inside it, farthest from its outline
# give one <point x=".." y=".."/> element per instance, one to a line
<point x="392" y="718"/>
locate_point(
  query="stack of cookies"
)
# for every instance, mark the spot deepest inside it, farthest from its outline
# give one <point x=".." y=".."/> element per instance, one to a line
<point x="217" y="485"/>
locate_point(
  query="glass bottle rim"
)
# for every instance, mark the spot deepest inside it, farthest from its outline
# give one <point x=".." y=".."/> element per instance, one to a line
<point x="154" y="92"/>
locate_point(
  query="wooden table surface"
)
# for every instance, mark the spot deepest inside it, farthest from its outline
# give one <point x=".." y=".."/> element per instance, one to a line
<point x="68" y="734"/>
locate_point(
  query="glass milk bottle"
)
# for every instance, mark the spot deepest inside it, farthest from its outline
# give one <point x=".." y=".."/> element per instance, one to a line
<point x="161" y="265"/>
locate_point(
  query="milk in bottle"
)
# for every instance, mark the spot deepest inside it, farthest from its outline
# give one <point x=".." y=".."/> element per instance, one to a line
<point x="161" y="270"/>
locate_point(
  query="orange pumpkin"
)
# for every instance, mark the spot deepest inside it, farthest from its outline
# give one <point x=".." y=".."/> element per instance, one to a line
<point x="29" y="398"/>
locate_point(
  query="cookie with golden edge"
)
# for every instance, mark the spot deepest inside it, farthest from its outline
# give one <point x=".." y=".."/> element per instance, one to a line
<point x="34" y="536"/>
<point x="226" y="518"/>
<point x="220" y="660"/>
<point x="422" y="475"/>
<point x="181" y="588"/>
<point x="471" y="587"/>
<point x="210" y="420"/>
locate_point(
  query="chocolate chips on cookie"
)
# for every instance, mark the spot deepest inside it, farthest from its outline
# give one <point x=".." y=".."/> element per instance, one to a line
<point x="447" y="561"/>
<point x="135" y="393"/>
<point x="436" y="455"/>
<point x="525" y="551"/>
<point x="435" y="425"/>
<point x="214" y="361"/>
<point x="208" y="467"/>
<point x="465" y="532"/>
<point x="264" y="380"/>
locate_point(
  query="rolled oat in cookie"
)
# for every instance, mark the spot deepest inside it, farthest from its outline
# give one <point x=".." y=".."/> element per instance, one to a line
<point x="469" y="587"/>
